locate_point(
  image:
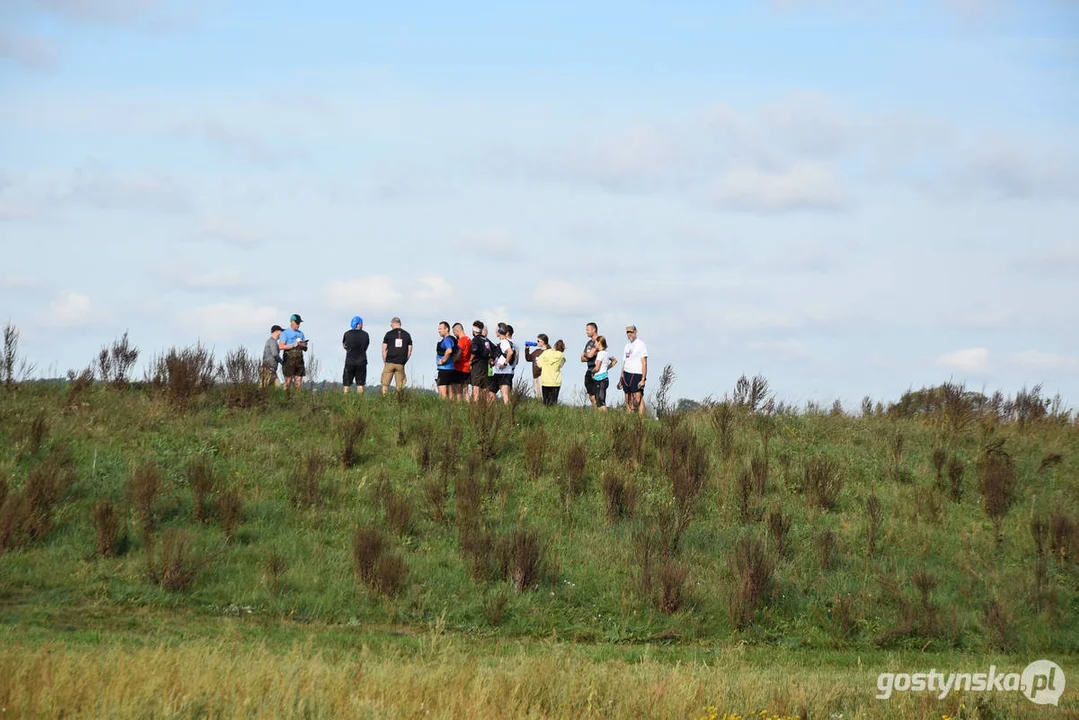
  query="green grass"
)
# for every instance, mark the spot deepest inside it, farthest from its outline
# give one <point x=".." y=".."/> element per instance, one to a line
<point x="55" y="588"/>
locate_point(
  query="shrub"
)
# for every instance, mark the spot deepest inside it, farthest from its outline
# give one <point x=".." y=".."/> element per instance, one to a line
<point x="939" y="458"/>
<point x="620" y="496"/>
<point x="494" y="606"/>
<point x="999" y="625"/>
<point x="663" y="396"/>
<point x="758" y="466"/>
<point x="826" y="545"/>
<point x="535" y="449"/>
<point x="843" y="616"/>
<point x="391" y="574"/>
<point x="13" y="368"/>
<point x="746" y="506"/>
<point x="672" y="581"/>
<point x="435" y="492"/>
<point x="398" y="509"/>
<point x="374" y="565"/>
<point x="230" y="510"/>
<point x="629" y="440"/>
<point x="779" y="526"/>
<point x="182" y="374"/>
<point x="955" y="478"/>
<point x="486" y="421"/>
<point x="753" y="568"/>
<point x="115" y="362"/>
<point x="1064" y="537"/>
<point x="723" y="420"/>
<point x="823" y="482"/>
<point x="368" y="544"/>
<point x="203" y="482"/>
<point x="77" y="385"/>
<point x="275" y="568"/>
<point x="997" y="484"/>
<point x="45" y="487"/>
<point x="352" y="432"/>
<point x="14" y="519"/>
<point x="305" y="481"/>
<point x="110" y="540"/>
<point x="36" y="435"/>
<point x="528" y="560"/>
<point x="145" y="484"/>
<point x="179" y="565"/>
<point x="574" y="466"/>
<point x="241" y="374"/>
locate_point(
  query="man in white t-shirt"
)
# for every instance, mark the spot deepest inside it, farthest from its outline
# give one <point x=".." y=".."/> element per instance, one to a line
<point x="634" y="371"/>
<point x="505" y="363"/>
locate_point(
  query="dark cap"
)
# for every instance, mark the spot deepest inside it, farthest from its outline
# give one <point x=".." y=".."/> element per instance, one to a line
<point x="276" y="328"/>
<point x="295" y="318"/>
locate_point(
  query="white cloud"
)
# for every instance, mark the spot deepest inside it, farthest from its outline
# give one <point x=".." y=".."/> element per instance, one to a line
<point x="1044" y="360"/>
<point x="363" y="294"/>
<point x="222" y="321"/>
<point x="1005" y="169"/>
<point x="968" y="359"/>
<point x="68" y="308"/>
<point x="217" y="279"/>
<point x="229" y="231"/>
<point x="27" y="50"/>
<point x="562" y="298"/>
<point x="804" y="186"/>
<point x="492" y="244"/>
<point x="95" y="185"/>
<point x="434" y="289"/>
<point x="240" y="143"/>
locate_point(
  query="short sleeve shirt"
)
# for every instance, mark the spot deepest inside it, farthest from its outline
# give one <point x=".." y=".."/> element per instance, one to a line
<point x="444" y="344"/>
<point x="464" y="362"/>
<point x="291" y="337"/>
<point x="635" y="352"/>
<point x="397" y="343"/>
<point x="506" y="369"/>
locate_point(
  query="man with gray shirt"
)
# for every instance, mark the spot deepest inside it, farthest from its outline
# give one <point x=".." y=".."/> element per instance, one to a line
<point x="271" y="358"/>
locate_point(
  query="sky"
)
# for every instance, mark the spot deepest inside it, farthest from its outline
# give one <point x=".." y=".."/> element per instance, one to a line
<point x="849" y="198"/>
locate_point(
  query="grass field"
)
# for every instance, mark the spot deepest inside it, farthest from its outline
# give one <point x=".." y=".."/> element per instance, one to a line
<point x="229" y="553"/>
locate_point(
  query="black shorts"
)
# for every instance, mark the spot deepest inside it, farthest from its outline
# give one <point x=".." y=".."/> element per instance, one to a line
<point x="631" y="383"/>
<point x="460" y="377"/>
<point x="589" y="382"/>
<point x="502" y="379"/>
<point x="355" y="372"/>
<point x="478" y="377"/>
<point x="447" y="377"/>
<point x="601" y="392"/>
<point x="293" y="365"/>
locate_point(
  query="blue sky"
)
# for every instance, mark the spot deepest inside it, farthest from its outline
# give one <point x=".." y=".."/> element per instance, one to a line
<point x="850" y="198"/>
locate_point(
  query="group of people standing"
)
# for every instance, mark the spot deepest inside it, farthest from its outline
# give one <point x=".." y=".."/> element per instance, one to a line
<point x="472" y="368"/>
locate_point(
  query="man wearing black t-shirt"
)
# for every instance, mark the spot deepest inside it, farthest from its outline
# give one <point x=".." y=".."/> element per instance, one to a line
<point x="355" y="343"/>
<point x="396" y="352"/>
<point x="591" y="330"/>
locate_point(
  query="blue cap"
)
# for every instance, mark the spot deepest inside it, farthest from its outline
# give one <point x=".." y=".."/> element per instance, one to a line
<point x="356" y="322"/>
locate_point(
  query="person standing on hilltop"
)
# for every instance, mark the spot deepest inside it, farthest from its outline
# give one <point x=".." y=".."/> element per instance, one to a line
<point x="505" y="361"/>
<point x="550" y="363"/>
<point x="355" y="342"/>
<point x="480" y="364"/>
<point x="396" y="352"/>
<point x="462" y="367"/>
<point x="588" y="357"/>
<point x="293" y="344"/>
<point x="445" y="350"/>
<point x="634" y="371"/>
<point x="271" y="358"/>
<point x="604" y="362"/>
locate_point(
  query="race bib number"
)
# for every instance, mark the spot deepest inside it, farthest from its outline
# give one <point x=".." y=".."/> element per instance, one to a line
<point x="397" y="342"/>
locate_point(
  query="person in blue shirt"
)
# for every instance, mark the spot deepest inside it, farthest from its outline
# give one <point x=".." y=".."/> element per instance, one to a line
<point x="293" y="344"/>
<point x="447" y="376"/>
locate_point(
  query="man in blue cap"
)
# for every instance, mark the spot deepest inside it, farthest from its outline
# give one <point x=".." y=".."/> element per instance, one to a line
<point x="355" y="342"/>
<point x="293" y="344"/>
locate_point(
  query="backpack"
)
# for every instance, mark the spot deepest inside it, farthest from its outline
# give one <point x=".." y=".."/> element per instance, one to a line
<point x="513" y="351"/>
<point x="481" y="348"/>
<point x="454" y="356"/>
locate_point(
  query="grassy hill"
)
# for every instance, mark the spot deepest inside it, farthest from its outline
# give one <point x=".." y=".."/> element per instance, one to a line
<point x="410" y="537"/>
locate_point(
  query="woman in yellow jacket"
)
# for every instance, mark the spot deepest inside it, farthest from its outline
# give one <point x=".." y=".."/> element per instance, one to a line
<point x="550" y="363"/>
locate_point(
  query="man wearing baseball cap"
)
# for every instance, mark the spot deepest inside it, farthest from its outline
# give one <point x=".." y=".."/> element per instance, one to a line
<point x="634" y="371"/>
<point x="293" y="344"/>
<point x="355" y="342"/>
<point x="271" y="358"/>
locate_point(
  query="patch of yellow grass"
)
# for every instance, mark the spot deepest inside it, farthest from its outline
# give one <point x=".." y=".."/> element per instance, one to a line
<point x="225" y="679"/>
